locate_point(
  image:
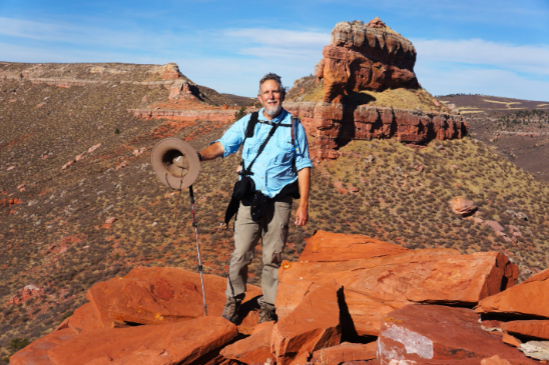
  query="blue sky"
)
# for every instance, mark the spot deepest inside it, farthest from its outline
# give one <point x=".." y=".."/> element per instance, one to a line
<point x="498" y="48"/>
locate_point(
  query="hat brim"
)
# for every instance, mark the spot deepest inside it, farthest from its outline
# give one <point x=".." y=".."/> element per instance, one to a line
<point x="175" y="163"/>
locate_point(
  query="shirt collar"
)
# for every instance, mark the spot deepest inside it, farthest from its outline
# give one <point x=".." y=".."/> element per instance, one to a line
<point x="278" y="119"/>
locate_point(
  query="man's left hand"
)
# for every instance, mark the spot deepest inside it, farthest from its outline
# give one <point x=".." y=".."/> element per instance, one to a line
<point x="301" y="216"/>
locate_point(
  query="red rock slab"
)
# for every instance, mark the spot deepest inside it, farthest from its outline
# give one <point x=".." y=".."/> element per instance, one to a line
<point x="431" y="333"/>
<point x="158" y="295"/>
<point x="327" y="246"/>
<point x="36" y="352"/>
<point x="529" y="298"/>
<point x="83" y="319"/>
<point x="511" y="340"/>
<point x="374" y="287"/>
<point x="253" y="349"/>
<point x="535" y="328"/>
<point x="345" y="352"/>
<point x="312" y="325"/>
<point x="452" y="279"/>
<point x="175" y="343"/>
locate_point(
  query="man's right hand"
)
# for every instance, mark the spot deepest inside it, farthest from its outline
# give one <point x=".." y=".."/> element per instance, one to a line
<point x="212" y="152"/>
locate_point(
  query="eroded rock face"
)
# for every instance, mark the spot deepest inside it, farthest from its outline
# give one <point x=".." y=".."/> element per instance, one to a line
<point x="365" y="57"/>
<point x="333" y="123"/>
<point x="429" y="334"/>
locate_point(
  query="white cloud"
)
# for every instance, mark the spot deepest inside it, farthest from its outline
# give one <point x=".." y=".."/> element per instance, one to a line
<point x="280" y="37"/>
<point x="279" y="43"/>
<point x="528" y="58"/>
<point x="84" y="35"/>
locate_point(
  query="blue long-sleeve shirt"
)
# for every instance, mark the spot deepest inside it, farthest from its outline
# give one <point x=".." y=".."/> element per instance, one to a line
<point x="272" y="170"/>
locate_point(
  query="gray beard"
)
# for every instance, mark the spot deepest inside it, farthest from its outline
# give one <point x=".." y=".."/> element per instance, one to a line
<point x="273" y="112"/>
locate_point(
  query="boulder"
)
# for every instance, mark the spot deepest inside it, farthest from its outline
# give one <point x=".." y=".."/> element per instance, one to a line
<point x="429" y="334"/>
<point x="311" y="326"/>
<point x="36" y="352"/>
<point x="253" y="349"/>
<point x="536" y="349"/>
<point x="530" y="329"/>
<point x="528" y="298"/>
<point x="327" y="246"/>
<point x="462" y="206"/>
<point x="496" y="227"/>
<point x="176" y="343"/>
<point x="28" y="292"/>
<point x="158" y="295"/>
<point x="345" y="352"/>
<point x="374" y="287"/>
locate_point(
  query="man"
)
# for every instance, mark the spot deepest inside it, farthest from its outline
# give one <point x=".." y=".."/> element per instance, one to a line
<point x="283" y="161"/>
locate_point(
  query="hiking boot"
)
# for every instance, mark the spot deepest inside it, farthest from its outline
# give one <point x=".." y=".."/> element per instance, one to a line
<point x="266" y="312"/>
<point x="232" y="306"/>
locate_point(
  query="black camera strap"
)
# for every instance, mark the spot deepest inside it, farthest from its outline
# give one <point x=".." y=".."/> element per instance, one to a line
<point x="247" y="171"/>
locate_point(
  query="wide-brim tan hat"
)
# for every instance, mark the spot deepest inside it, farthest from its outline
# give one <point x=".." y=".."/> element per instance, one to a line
<point x="175" y="163"/>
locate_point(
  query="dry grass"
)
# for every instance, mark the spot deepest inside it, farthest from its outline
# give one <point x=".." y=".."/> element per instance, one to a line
<point x="404" y="99"/>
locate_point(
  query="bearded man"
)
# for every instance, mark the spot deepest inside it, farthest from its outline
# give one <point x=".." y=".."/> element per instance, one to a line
<point x="275" y="168"/>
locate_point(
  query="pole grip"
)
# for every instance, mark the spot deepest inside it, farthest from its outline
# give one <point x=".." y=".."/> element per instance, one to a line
<point x="191" y="193"/>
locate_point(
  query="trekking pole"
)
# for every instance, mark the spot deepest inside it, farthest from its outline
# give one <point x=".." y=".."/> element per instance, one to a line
<point x="198" y="251"/>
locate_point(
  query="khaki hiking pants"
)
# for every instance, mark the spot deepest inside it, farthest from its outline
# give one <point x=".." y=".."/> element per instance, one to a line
<point x="273" y="231"/>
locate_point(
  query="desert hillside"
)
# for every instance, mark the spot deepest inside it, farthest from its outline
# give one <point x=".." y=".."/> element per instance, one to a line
<point x="491" y="106"/>
<point x="80" y="204"/>
<point x="521" y="136"/>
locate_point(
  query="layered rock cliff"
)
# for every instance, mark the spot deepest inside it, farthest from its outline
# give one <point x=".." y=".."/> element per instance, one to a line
<point x="335" y="124"/>
<point x="166" y="76"/>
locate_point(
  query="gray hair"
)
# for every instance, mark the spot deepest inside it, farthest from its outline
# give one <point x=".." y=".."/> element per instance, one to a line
<point x="275" y="77"/>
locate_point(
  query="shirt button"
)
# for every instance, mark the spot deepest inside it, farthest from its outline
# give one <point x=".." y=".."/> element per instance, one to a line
<point x="261" y="177"/>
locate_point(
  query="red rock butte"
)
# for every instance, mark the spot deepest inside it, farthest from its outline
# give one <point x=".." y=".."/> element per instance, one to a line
<point x="367" y="57"/>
